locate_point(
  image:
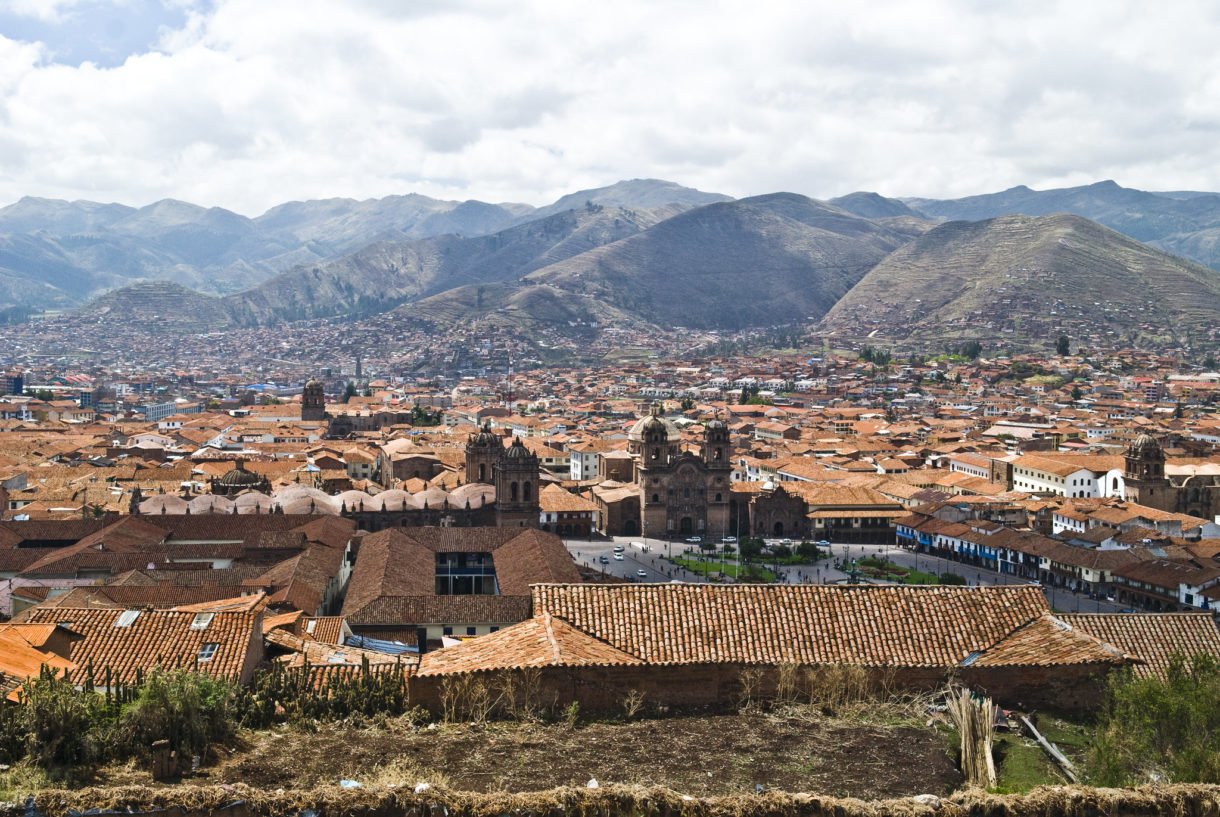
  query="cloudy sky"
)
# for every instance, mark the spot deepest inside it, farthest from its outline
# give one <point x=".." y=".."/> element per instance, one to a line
<point x="247" y="103"/>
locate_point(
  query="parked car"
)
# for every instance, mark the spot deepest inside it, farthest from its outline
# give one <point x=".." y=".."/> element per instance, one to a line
<point x="695" y="540"/>
<point x="785" y="541"/>
<point x="823" y="543"/>
<point x="729" y="540"/>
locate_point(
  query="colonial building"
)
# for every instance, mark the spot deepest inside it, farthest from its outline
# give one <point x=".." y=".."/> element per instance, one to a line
<point x="1178" y="488"/>
<point x="683" y="493"/>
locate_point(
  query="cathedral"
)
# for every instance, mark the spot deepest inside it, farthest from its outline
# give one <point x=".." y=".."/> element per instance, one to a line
<point x="681" y="493"/>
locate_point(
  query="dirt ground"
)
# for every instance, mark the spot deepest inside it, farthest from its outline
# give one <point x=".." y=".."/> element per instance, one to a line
<point x="705" y="755"/>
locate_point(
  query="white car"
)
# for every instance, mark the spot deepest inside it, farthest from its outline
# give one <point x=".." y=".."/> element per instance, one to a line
<point x="618" y="557"/>
<point x="642" y="573"/>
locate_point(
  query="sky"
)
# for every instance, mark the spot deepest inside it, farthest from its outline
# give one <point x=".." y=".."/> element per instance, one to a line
<point x="245" y="104"/>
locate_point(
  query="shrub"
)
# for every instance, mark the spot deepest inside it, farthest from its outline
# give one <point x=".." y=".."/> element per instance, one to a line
<point x="62" y="726"/>
<point x="190" y="710"/>
<point x="1160" y="730"/>
<point x="952" y="578"/>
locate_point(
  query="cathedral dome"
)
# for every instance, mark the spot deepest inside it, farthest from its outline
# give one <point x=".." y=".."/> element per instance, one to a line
<point x="517" y="450"/>
<point x="654" y="425"/>
<point x="1144" y="445"/>
<point x="485" y="438"/>
<point x="239" y="479"/>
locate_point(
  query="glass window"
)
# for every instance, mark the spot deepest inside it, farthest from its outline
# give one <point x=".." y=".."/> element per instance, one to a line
<point x="207" y="651"/>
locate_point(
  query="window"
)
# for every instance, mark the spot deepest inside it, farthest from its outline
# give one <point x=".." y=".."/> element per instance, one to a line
<point x="447" y="631"/>
<point x="206" y="652"/>
<point x="525" y="493"/>
<point x="310" y="625"/>
<point x="470" y="631"/>
<point x="494" y="628"/>
<point x="127" y="618"/>
<point x="656" y="497"/>
<point x="201" y="621"/>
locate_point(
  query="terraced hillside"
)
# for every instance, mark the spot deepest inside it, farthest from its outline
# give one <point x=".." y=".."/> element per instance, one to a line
<point x="1021" y="280"/>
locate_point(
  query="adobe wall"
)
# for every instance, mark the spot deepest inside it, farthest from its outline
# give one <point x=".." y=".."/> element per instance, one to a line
<point x="727" y="686"/>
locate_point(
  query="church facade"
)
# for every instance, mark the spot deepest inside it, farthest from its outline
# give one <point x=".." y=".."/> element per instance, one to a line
<point x="1190" y="489"/>
<point x="682" y="493"/>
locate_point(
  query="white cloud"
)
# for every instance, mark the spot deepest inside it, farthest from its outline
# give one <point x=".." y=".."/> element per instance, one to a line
<point x="251" y="104"/>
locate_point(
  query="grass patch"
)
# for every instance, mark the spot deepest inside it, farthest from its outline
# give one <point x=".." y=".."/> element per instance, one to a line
<point x="1022" y="765"/>
<point x="732" y="570"/>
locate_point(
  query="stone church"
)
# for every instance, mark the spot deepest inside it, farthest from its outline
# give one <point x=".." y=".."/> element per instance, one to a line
<point x="682" y="493"/>
<point x="1178" y="488"/>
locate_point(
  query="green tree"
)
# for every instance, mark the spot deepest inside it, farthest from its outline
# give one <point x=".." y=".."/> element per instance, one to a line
<point x="349" y="391"/>
<point x="807" y="550"/>
<point x="971" y="349"/>
<point x="1076" y="393"/>
<point x="749" y="547"/>
<point x="1062" y="346"/>
<point x="1164" y="729"/>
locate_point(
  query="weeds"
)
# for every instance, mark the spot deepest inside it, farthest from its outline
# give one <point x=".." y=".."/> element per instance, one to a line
<point x="632" y="704"/>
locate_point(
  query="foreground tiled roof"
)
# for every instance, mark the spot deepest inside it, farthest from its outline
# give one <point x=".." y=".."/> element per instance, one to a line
<point x="806" y="624"/>
<point x="1048" y="641"/>
<point x="1153" y="638"/>
<point x="538" y="642"/>
<point x="155" y="637"/>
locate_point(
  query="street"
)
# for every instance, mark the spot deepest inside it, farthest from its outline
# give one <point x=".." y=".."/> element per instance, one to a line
<point x="656" y="569"/>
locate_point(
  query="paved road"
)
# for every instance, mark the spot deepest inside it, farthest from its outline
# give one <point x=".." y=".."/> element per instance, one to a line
<point x="656" y="569"/>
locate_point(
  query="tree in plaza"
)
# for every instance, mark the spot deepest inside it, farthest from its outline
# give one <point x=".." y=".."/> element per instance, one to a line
<point x="750" y="548"/>
<point x="807" y="550"/>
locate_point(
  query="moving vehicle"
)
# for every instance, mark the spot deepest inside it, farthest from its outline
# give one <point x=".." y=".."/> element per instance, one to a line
<point x="618" y="548"/>
<point x="604" y="559"/>
<point x="618" y="557"/>
<point x="642" y="573"/>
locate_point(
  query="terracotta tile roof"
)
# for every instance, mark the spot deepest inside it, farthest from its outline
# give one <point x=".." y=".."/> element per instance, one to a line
<point x="1153" y="638"/>
<point x="419" y="610"/>
<point x="155" y="637"/>
<point x="127" y="597"/>
<point x="1048" y="641"/>
<point x="806" y="624"/>
<point x="537" y="642"/>
<point x="396" y="572"/>
<point x="327" y="629"/>
<point x="306" y="651"/>
<point x="21" y="656"/>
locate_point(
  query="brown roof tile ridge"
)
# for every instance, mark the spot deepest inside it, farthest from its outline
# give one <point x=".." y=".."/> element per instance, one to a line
<point x="1105" y="645"/>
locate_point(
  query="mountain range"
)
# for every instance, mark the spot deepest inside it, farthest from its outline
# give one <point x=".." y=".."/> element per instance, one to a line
<point x="1010" y="267"/>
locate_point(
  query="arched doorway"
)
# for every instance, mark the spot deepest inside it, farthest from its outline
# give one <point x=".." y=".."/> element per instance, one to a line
<point x="778" y="530"/>
<point x="686" y="526"/>
<point x="630" y="528"/>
